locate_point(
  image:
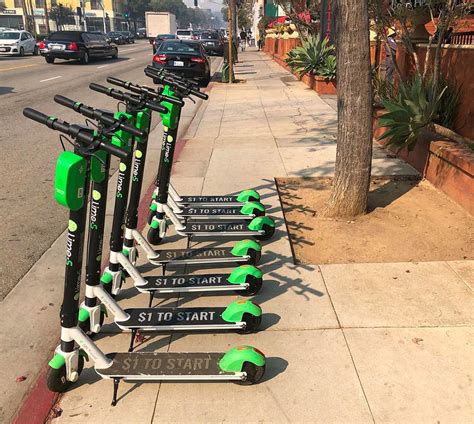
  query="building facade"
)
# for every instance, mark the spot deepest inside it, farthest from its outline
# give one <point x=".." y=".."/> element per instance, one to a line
<point x="100" y="15"/>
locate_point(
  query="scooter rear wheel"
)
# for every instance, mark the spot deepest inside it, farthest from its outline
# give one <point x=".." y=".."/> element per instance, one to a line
<point x="56" y="378"/>
<point x="252" y="323"/>
<point x="255" y="284"/>
<point x="86" y="325"/>
<point x="255" y="256"/>
<point x="254" y="373"/>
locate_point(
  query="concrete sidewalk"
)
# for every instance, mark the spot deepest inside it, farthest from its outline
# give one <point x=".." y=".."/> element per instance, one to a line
<point x="344" y="343"/>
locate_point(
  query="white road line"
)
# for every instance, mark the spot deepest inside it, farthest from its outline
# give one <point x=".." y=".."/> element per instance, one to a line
<point x="102" y="66"/>
<point x="128" y="50"/>
<point x="132" y="58"/>
<point x="50" y="79"/>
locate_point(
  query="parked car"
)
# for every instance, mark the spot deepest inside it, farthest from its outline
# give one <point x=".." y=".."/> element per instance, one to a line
<point x="186" y="34"/>
<point x="183" y="57"/>
<point x="160" y="38"/>
<point x="128" y="37"/>
<point x="17" y="42"/>
<point x="102" y="33"/>
<point x="212" y="42"/>
<point x="80" y="45"/>
<point x="141" y="33"/>
<point x="116" y="37"/>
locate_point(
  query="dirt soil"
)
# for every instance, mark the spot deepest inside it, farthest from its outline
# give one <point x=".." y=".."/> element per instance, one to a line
<point x="408" y="220"/>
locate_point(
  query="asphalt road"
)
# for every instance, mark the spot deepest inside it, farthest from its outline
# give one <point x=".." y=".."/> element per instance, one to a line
<point x="30" y="219"/>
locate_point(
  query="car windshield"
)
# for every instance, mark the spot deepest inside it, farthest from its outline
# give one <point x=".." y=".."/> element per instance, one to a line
<point x="64" y="36"/>
<point x="179" y="47"/>
<point x="209" y="36"/>
<point x="181" y="32"/>
<point x="114" y="34"/>
<point x="165" y="36"/>
<point x="9" y="35"/>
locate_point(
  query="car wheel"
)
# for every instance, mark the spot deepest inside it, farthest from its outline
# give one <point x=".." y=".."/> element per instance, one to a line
<point x="22" y="51"/>
<point x="35" y="51"/>
<point x="49" y="59"/>
<point x="85" y="58"/>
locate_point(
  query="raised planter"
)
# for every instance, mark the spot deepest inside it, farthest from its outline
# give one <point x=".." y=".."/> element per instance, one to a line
<point x="447" y="165"/>
<point x="324" y="86"/>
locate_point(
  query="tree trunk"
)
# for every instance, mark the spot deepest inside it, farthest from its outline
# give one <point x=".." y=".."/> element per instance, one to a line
<point x="354" y="106"/>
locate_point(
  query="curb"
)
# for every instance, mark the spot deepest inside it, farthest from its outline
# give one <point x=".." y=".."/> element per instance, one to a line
<point x="38" y="403"/>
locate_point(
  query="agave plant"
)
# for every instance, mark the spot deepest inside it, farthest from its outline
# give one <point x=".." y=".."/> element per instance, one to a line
<point x="327" y="69"/>
<point x="309" y="57"/>
<point x="415" y="109"/>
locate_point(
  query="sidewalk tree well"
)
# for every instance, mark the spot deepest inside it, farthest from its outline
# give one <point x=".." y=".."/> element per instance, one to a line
<point x="350" y="186"/>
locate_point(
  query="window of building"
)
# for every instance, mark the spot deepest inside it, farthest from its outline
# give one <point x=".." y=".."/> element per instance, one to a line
<point x="95" y="4"/>
<point x="17" y="4"/>
<point x="39" y="4"/>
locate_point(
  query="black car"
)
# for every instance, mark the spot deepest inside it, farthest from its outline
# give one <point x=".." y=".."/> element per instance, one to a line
<point x="141" y="33"/>
<point x="116" y="37"/>
<point x="128" y="37"/>
<point x="160" y="38"/>
<point x="183" y="57"/>
<point x="76" y="45"/>
<point x="212" y="42"/>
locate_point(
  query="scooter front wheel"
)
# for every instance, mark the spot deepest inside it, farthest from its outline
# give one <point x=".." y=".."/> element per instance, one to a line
<point x="254" y="373"/>
<point x="153" y="236"/>
<point x="86" y="325"/>
<point x="151" y="214"/>
<point x="255" y="256"/>
<point x="56" y="377"/>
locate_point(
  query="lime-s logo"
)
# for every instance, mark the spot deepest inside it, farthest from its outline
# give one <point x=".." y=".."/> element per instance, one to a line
<point x="71" y="237"/>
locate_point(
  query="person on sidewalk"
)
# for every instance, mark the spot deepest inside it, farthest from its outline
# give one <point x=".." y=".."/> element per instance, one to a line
<point x="388" y="67"/>
<point x="243" y="39"/>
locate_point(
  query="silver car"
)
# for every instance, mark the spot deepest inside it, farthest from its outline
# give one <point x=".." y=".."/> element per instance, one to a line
<point x="17" y="42"/>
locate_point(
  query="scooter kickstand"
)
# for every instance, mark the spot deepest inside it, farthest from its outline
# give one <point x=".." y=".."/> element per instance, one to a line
<point x="114" y="396"/>
<point x="150" y="299"/>
<point x="132" y="340"/>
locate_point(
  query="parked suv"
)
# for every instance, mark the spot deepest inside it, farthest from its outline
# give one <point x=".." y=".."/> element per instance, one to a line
<point x="76" y="45"/>
<point x="16" y="42"/>
<point x="212" y="42"/>
<point x="186" y="34"/>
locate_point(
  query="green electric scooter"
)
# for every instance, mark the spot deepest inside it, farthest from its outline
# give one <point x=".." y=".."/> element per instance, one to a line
<point x="242" y="364"/>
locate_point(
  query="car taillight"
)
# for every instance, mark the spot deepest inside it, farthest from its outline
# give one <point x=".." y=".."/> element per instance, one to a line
<point x="198" y="60"/>
<point x="42" y="45"/>
<point x="160" y="58"/>
<point x="72" y="46"/>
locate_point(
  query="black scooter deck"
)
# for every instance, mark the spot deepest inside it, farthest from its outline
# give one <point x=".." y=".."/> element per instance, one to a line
<point x="209" y="200"/>
<point x="175" y="319"/>
<point x="215" y="212"/>
<point x="221" y="255"/>
<point x="218" y="228"/>
<point x="197" y="282"/>
<point x="140" y="365"/>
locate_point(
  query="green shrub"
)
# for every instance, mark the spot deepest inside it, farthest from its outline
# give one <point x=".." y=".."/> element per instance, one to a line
<point x="310" y="56"/>
<point x="327" y="69"/>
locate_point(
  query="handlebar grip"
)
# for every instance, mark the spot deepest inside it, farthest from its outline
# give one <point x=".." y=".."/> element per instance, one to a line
<point x="64" y="101"/>
<point x="133" y="130"/>
<point x="117" y="81"/>
<point x="172" y="100"/>
<point x="36" y="115"/>
<point x="199" y="94"/>
<point x="99" y="88"/>
<point x="156" y="107"/>
<point x="113" y="150"/>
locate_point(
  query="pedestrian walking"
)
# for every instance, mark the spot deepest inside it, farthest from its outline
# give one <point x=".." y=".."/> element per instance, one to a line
<point x="243" y="40"/>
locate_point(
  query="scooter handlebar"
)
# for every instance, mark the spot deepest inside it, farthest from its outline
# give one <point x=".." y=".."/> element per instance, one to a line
<point x="97" y="114"/>
<point x="83" y="135"/>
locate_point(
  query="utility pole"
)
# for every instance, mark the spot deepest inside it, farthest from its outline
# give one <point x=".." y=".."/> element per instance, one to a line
<point x="230" y="16"/>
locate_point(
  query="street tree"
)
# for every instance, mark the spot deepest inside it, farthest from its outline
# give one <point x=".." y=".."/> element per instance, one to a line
<point x="350" y="187"/>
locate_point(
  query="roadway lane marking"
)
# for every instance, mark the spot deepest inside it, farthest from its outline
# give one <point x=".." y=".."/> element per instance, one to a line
<point x="132" y="58"/>
<point x="17" y="67"/>
<point x="129" y="50"/>
<point x="102" y="66"/>
<point x="52" y="78"/>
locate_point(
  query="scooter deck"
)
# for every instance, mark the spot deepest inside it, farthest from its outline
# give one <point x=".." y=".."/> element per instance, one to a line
<point x="189" y="283"/>
<point x="167" y="366"/>
<point x="215" y="255"/>
<point x="177" y="319"/>
<point x="209" y="201"/>
<point x="214" y="212"/>
<point x="217" y="228"/>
